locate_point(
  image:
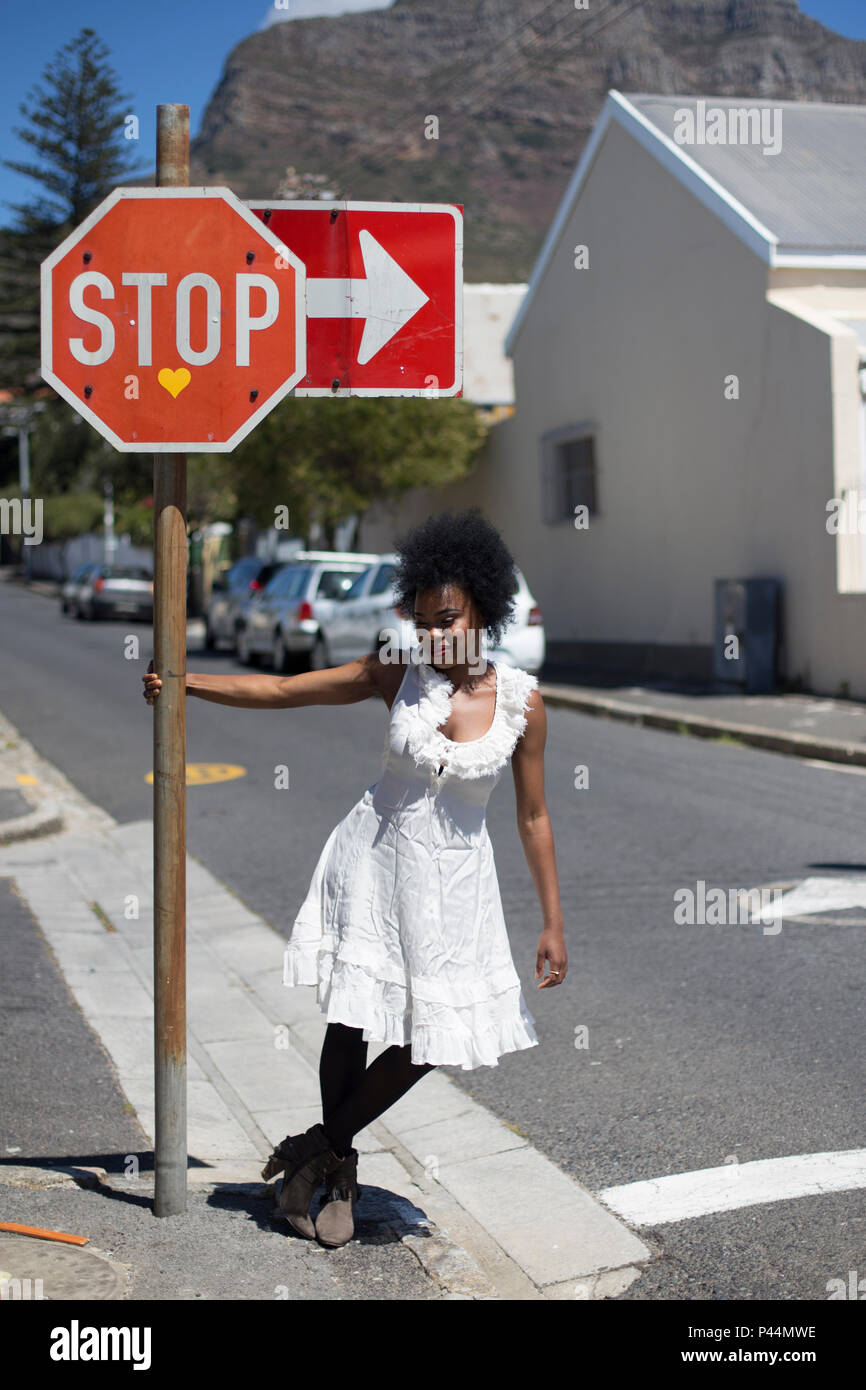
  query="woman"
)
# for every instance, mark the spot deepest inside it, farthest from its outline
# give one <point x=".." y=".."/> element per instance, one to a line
<point x="402" y="929"/>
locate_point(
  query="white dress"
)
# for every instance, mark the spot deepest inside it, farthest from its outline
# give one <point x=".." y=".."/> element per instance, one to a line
<point x="402" y="929"/>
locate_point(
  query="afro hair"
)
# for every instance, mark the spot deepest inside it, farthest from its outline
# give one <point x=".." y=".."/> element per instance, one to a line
<point x="459" y="548"/>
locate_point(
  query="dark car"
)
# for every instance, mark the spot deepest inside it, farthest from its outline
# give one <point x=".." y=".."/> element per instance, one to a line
<point x="230" y="594"/>
<point x="115" y="591"/>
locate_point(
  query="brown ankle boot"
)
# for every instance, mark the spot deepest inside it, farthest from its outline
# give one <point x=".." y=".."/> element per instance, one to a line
<point x="305" y="1159"/>
<point x="335" y="1223"/>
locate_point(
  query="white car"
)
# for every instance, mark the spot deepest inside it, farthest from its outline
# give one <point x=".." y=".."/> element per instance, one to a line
<point x="352" y="628"/>
<point x="358" y="622"/>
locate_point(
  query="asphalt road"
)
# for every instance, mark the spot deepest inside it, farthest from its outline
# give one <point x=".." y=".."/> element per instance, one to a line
<point x="707" y="1043"/>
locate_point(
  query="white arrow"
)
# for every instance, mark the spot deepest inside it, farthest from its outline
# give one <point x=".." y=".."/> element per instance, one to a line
<point x="388" y="298"/>
<point x="817" y="895"/>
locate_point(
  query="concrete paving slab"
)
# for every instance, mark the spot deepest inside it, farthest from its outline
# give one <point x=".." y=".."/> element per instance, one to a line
<point x="129" y="1044"/>
<point x="111" y="993"/>
<point x="282" y="1005"/>
<point x="474" y="1134"/>
<point x="250" y="949"/>
<point x="295" y="1119"/>
<point x="560" y="1233"/>
<point x="58" y="914"/>
<point x="219" y="918"/>
<point x="264" y="1074"/>
<point x="86" y="951"/>
<point x="440" y="1100"/>
<point x="55" y="922"/>
<point x="228" y="1017"/>
<point x="309" y="1030"/>
<point x="213" y="1133"/>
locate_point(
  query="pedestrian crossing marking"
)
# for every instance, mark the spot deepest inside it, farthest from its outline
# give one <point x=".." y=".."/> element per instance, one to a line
<point x="684" y="1196"/>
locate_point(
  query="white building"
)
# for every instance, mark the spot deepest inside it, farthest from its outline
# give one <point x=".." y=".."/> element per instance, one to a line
<point x="687" y="366"/>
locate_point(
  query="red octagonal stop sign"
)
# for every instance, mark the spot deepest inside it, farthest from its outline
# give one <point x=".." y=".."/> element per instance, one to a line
<point x="173" y="320"/>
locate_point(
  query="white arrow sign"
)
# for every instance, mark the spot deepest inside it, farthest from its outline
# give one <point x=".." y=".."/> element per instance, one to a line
<point x="388" y="298"/>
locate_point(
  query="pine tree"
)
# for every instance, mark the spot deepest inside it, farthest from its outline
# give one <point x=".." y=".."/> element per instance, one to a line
<point x="75" y="129"/>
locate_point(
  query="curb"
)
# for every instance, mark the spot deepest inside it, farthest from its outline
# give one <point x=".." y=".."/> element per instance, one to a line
<point x="777" y="741"/>
<point x="45" y="819"/>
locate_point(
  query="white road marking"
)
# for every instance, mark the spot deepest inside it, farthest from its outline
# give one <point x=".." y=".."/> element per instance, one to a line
<point x="685" y="1195"/>
<point x="816" y="895"/>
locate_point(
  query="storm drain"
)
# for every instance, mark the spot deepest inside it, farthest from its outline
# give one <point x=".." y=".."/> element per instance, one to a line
<point x="34" y="1268"/>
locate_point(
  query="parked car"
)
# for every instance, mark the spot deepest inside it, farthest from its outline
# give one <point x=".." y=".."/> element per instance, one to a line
<point x="116" y="590"/>
<point x="367" y="606"/>
<point x="283" y="624"/>
<point x="368" y="609"/>
<point x="232" y="590"/>
<point x="71" y="589"/>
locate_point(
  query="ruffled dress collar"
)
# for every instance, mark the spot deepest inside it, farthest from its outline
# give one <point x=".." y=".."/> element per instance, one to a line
<point x="480" y="757"/>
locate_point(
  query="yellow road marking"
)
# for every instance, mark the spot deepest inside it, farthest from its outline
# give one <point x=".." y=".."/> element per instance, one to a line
<point x="201" y="774"/>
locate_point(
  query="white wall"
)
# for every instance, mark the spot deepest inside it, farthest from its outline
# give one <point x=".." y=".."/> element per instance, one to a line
<point x="691" y="486"/>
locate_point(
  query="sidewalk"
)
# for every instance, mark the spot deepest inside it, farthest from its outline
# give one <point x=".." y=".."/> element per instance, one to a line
<point x="440" y="1174"/>
<point x="807" y="726"/>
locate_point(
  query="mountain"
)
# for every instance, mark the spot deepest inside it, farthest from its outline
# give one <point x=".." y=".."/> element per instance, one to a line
<point x="515" y="85"/>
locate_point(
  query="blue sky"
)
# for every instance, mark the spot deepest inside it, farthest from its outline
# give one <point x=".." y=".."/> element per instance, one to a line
<point x="173" y="50"/>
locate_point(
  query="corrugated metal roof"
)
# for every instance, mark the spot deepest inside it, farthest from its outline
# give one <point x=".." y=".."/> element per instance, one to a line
<point x="811" y="195"/>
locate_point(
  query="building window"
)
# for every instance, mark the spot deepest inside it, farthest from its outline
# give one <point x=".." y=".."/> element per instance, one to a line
<point x="568" y="473"/>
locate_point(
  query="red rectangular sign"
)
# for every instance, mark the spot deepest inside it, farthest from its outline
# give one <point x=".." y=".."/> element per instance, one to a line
<point x="384" y="294"/>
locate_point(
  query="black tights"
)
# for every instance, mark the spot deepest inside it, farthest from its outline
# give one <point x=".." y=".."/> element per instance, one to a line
<point x="354" y="1094"/>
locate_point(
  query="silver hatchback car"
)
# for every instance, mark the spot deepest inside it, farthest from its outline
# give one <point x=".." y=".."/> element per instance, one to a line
<point x="283" y="623"/>
<point x="109" y="591"/>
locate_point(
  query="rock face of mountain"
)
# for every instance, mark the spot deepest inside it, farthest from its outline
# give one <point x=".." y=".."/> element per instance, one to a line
<point x="489" y="102"/>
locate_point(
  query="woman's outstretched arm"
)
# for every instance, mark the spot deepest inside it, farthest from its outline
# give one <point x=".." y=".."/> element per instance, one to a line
<point x="338" y="685"/>
<point x="536" y="834"/>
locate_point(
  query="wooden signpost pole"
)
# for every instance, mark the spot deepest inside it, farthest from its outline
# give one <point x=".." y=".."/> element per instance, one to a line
<point x="169" y="765"/>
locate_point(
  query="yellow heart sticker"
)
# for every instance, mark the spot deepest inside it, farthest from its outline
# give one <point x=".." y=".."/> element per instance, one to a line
<point x="174" y="382"/>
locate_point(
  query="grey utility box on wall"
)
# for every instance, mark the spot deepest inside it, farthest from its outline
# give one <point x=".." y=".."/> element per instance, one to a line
<point x="749" y="611"/>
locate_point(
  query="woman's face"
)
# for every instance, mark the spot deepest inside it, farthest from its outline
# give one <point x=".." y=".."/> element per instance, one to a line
<point x="447" y="619"/>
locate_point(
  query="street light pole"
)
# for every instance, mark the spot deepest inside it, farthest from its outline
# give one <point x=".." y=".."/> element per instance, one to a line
<point x="110" y="545"/>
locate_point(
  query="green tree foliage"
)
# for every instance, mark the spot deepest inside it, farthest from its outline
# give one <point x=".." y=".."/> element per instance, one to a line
<point x="71" y="514"/>
<point x="327" y="460"/>
<point x="67" y="453"/>
<point x="74" y="131"/>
